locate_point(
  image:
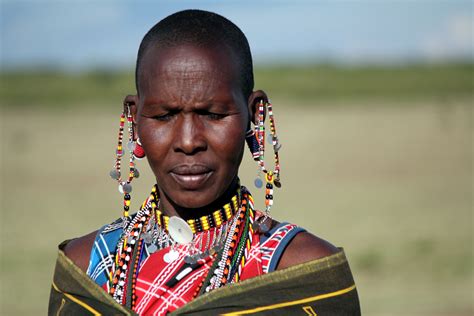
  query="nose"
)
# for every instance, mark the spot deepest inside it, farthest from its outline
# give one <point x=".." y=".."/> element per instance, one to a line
<point x="189" y="135"/>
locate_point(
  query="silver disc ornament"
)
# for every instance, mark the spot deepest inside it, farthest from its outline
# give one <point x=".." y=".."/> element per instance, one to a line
<point x="179" y="230"/>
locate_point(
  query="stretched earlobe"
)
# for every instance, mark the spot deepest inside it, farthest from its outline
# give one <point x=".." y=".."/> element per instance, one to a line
<point x="253" y="103"/>
<point x="133" y="146"/>
<point x="131" y="101"/>
<point x="255" y="138"/>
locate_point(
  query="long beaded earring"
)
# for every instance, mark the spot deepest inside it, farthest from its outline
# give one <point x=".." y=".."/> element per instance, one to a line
<point x="256" y="142"/>
<point x="135" y="152"/>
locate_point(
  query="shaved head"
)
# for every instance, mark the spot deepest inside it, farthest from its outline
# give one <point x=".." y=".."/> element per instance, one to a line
<point x="201" y="29"/>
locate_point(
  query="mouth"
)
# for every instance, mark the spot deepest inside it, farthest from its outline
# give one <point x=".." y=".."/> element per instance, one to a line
<point x="191" y="177"/>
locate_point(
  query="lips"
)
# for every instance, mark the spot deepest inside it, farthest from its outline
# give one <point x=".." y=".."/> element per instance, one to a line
<point x="191" y="177"/>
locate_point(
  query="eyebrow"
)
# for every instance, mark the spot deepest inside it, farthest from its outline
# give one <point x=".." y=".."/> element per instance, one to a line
<point x="225" y="106"/>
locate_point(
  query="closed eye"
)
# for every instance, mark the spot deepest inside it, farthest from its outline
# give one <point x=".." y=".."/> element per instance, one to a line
<point x="165" y="117"/>
<point x="212" y="115"/>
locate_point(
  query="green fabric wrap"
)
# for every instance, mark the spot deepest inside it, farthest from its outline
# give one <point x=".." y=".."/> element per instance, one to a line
<point x="320" y="287"/>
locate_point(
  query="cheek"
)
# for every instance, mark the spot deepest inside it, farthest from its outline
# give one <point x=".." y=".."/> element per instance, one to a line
<point x="154" y="141"/>
<point x="229" y="142"/>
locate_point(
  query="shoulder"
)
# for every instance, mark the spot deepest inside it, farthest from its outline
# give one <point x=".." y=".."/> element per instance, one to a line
<point x="305" y="247"/>
<point x="79" y="249"/>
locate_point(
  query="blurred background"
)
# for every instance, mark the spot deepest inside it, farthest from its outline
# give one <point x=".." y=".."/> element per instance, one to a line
<point x="373" y="102"/>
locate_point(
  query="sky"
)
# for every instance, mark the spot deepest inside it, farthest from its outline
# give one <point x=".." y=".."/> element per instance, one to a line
<point x="73" y="34"/>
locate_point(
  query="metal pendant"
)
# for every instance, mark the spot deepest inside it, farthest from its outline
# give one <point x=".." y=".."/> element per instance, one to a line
<point x="147" y="238"/>
<point x="260" y="226"/>
<point x="179" y="230"/>
<point x="191" y="259"/>
<point x="152" y="248"/>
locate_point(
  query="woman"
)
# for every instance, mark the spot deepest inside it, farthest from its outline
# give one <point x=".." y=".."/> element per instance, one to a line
<point x="198" y="232"/>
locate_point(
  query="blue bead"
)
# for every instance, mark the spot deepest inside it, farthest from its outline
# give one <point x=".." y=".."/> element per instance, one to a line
<point x="258" y="183"/>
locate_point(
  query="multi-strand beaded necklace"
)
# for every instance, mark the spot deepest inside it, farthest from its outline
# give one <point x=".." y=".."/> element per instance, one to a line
<point x="225" y="236"/>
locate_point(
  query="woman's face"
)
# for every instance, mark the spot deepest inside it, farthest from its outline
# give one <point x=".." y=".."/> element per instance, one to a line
<point x="191" y="119"/>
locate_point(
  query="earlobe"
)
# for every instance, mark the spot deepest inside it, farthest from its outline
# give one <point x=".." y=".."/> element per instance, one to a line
<point x="131" y="101"/>
<point x="253" y="101"/>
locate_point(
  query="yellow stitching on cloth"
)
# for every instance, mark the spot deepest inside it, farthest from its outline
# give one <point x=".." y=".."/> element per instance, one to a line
<point x="291" y="303"/>
<point x="77" y="301"/>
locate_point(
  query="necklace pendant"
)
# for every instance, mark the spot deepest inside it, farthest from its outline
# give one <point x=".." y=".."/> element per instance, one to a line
<point x="152" y="248"/>
<point x="216" y="248"/>
<point x="179" y="230"/>
<point x="191" y="259"/>
<point x="261" y="227"/>
<point x="147" y="238"/>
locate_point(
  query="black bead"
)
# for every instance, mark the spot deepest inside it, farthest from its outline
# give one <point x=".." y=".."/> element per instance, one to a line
<point x="269" y="186"/>
<point x="127" y="196"/>
<point x="125" y="207"/>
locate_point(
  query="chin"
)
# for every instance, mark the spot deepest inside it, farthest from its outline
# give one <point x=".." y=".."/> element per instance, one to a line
<point x="193" y="199"/>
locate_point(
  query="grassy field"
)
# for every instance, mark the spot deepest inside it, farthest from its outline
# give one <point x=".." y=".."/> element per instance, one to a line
<point x="387" y="178"/>
<point x="307" y="83"/>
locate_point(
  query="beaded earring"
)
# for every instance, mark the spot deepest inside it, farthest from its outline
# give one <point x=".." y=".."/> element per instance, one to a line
<point x="256" y="143"/>
<point x="135" y="152"/>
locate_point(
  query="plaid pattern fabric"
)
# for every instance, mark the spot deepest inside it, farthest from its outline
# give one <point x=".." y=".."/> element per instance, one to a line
<point x="154" y="294"/>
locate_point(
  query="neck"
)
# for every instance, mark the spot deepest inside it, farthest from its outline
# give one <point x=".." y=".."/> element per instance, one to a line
<point x="169" y="208"/>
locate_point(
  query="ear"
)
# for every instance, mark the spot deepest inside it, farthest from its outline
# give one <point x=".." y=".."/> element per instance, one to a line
<point x="253" y="101"/>
<point x="131" y="101"/>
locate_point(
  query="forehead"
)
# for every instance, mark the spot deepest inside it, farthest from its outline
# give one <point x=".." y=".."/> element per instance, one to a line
<point x="184" y="64"/>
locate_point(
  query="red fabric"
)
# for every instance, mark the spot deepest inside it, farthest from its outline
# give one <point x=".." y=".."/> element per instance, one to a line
<point x="155" y="298"/>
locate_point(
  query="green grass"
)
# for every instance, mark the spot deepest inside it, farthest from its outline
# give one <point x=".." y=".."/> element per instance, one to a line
<point x="305" y="84"/>
<point x="391" y="184"/>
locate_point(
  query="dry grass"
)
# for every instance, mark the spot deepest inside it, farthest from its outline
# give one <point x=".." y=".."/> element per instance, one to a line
<point x="391" y="184"/>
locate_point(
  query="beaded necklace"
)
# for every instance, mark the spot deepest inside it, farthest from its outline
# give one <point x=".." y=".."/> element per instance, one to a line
<point x="205" y="222"/>
<point x="225" y="236"/>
